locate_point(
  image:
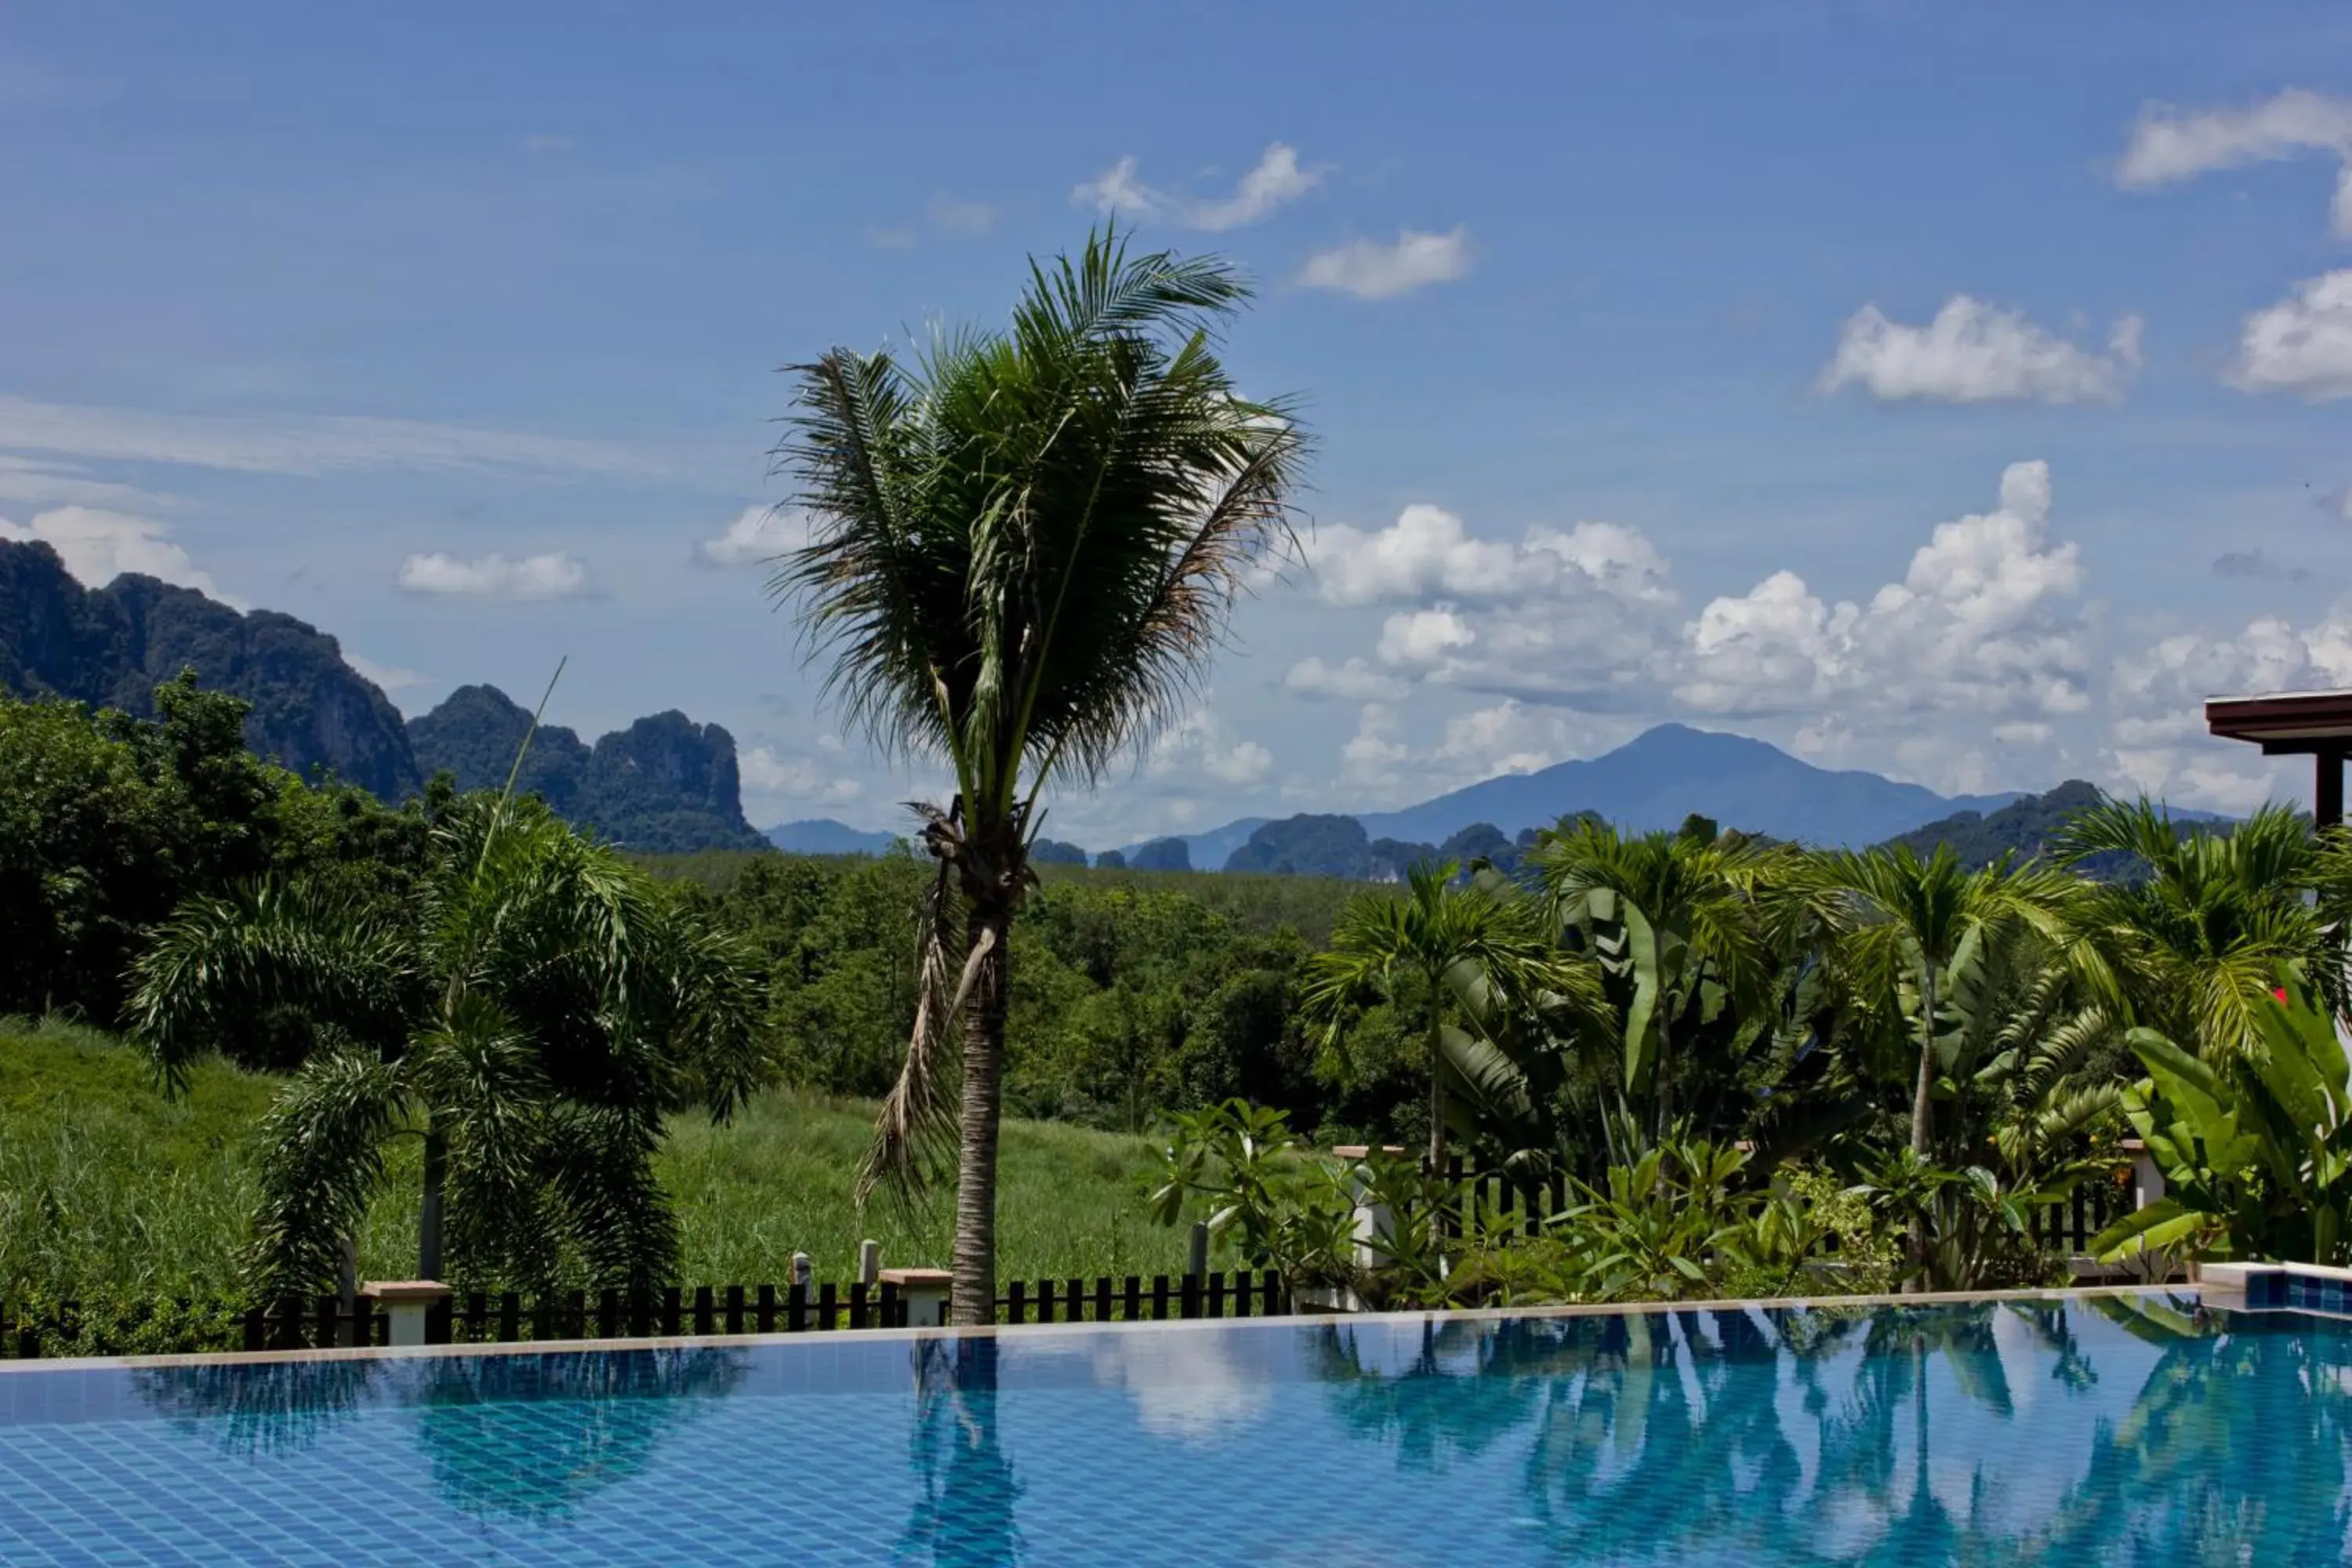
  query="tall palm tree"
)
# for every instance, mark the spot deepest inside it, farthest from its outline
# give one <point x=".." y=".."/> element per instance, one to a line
<point x="1024" y="548"/>
<point x="533" y="1015"/>
<point x="1435" y="942"/>
<point x="2196" y="928"/>
<point x="1900" y="920"/>
<point x="1678" y="921"/>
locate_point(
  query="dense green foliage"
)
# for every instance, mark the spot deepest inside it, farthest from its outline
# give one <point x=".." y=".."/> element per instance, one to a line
<point x="108" y="823"/>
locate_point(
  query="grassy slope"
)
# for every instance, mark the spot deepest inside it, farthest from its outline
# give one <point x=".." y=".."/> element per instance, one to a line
<point x="107" y="1188"/>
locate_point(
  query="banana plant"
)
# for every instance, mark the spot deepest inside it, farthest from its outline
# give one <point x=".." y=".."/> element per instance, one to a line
<point x="2255" y="1148"/>
<point x="1679" y="928"/>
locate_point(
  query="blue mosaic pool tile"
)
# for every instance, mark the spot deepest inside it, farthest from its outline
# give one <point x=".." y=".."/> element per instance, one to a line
<point x="1765" y="1438"/>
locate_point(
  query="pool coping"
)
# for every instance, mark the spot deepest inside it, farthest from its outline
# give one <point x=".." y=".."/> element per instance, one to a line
<point x="819" y="1339"/>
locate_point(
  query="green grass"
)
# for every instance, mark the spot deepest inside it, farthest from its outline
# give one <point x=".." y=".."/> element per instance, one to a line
<point x="109" y="1190"/>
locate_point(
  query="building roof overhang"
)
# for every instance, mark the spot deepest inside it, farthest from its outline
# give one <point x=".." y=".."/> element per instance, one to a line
<point x="2285" y="723"/>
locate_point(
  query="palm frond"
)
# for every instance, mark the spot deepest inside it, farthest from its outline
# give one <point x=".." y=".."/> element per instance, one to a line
<point x="219" y="960"/>
<point x="319" y="1161"/>
<point x="914" y="1131"/>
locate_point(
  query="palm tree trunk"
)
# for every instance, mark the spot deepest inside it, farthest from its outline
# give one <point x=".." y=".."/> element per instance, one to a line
<point x="973" y="1294"/>
<point x="1437" y="1095"/>
<point x="1664" y="1070"/>
<point x="428" y="1214"/>
<point x="1923" y="1114"/>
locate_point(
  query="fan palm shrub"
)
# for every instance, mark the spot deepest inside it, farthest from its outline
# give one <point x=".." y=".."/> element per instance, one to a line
<point x="2195" y="929"/>
<point x="532" y="1015"/>
<point x="1472" y="947"/>
<point x="1025" y="545"/>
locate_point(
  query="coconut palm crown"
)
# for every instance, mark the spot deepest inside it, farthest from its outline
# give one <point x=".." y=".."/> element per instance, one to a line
<point x="1023" y="548"/>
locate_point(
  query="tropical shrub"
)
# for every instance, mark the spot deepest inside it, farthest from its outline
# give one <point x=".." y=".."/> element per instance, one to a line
<point x="2255" y="1148"/>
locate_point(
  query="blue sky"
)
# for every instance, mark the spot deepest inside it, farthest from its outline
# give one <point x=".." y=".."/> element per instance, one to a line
<point x="1953" y="391"/>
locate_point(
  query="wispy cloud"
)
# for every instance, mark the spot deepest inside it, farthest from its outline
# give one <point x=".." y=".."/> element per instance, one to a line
<point x="1371" y="270"/>
<point x="951" y="215"/>
<point x="386" y="677"/>
<point x="1276" y="180"/>
<point x="1976" y="352"/>
<point x="554" y="575"/>
<point x="2169" y="144"/>
<point x="298" y="444"/>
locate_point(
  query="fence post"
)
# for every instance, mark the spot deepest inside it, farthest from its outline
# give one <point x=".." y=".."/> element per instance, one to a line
<point x="1190" y="1302"/>
<point x="1196" y="1261"/>
<point x="734" y="1308"/>
<point x="419" y="1309"/>
<point x="923" y="1293"/>
<point x="870" y="1263"/>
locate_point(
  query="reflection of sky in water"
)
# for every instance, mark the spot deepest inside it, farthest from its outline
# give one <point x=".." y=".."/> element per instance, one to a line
<point x="2106" y="1432"/>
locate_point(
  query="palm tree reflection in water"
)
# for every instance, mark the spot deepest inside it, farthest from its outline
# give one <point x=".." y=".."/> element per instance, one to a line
<point x="524" y="1436"/>
<point x="965" y="1517"/>
<point x="1831" y="1436"/>
<point x="530" y="1437"/>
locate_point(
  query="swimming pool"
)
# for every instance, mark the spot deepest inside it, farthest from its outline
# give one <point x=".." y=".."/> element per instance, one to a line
<point x="2101" y="1429"/>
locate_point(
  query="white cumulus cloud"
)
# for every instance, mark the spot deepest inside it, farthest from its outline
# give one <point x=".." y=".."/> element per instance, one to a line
<point x="1371" y="269"/>
<point x="1976" y="352"/>
<point x="758" y="534"/>
<point x="1276" y="180"/>
<point x="2302" y="344"/>
<point x="1980" y="624"/>
<point x="768" y="772"/>
<point x="1200" y="741"/>
<point x="98" y="545"/>
<point x="1423" y="636"/>
<point x="554" y="575"/>
<point x="2169" y="144"/>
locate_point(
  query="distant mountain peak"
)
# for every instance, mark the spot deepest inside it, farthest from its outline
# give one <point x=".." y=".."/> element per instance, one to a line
<point x="664" y="784"/>
<point x="111" y="646"/>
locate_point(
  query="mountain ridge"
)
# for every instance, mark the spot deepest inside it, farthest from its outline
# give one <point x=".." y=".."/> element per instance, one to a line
<point x="1665" y="773"/>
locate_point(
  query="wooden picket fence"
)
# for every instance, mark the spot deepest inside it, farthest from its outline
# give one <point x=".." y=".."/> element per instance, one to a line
<point x="482" y="1317"/>
<point x="2066" y="1228"/>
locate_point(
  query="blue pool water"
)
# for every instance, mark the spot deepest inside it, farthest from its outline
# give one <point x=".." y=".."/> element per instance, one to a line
<point x="2073" y="1430"/>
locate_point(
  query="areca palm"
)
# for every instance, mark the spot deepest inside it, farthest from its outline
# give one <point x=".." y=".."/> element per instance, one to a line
<point x="1025" y="546"/>
<point x="533" y="1016"/>
<point x="1900" y="921"/>
<point x="1679" y="922"/>
<point x="1475" y="946"/>
<point x="2198" y="938"/>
